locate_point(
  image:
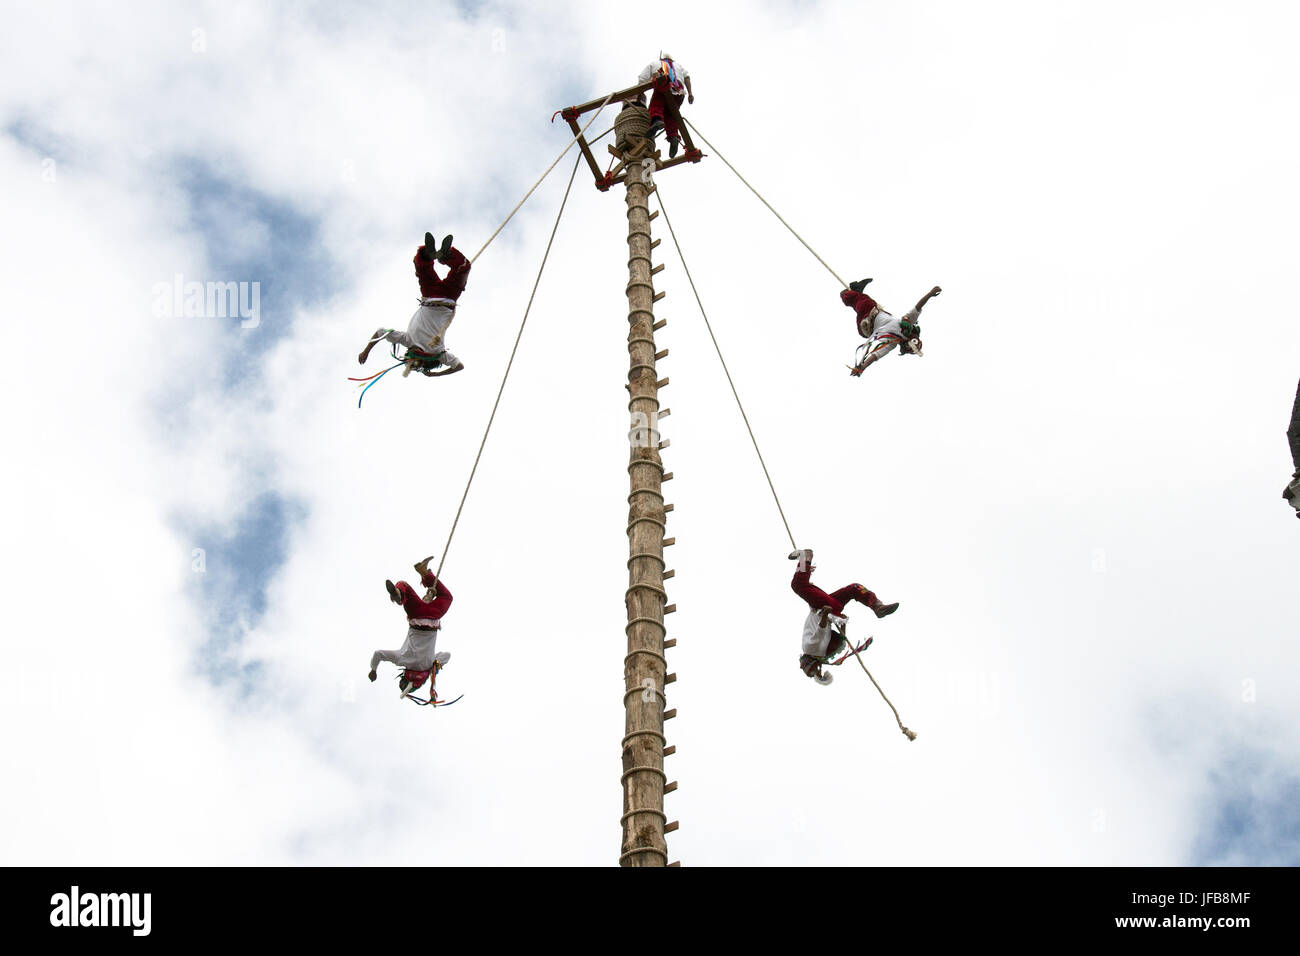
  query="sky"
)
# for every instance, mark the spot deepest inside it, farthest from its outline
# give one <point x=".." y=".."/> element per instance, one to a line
<point x="1074" y="494"/>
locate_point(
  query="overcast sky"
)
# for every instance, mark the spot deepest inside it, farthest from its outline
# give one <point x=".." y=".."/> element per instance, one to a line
<point x="1074" y="494"/>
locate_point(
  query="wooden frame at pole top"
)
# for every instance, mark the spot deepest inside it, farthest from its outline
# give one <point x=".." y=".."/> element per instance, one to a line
<point x="603" y="181"/>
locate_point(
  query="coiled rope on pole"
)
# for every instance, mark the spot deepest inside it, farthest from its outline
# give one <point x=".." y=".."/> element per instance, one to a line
<point x="739" y="404"/>
<point x="842" y="283"/>
<point x="539" y="181"/>
<point x="509" y="365"/>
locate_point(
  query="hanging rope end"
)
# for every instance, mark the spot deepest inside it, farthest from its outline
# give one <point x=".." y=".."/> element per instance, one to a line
<point x="909" y="734"/>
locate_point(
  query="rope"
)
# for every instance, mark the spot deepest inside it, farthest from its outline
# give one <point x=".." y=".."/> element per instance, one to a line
<point x="509" y="365"/>
<point x="544" y="175"/>
<point x="726" y="371"/>
<point x="765" y="203"/>
<point x="906" y="733"/>
<point x="909" y="734"/>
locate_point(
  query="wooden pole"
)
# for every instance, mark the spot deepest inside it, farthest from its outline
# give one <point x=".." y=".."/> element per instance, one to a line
<point x="644" y="668"/>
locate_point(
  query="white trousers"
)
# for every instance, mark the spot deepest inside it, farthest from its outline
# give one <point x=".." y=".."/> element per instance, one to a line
<point x="428" y="321"/>
<point x="416" y="652"/>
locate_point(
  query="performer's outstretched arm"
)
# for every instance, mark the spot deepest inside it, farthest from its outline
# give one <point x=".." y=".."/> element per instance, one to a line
<point x="459" y="366"/>
<point x="927" y="297"/>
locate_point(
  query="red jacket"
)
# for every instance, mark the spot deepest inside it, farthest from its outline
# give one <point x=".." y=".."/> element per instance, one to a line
<point x="418" y="608"/>
<point x="433" y="287"/>
<point x="861" y="304"/>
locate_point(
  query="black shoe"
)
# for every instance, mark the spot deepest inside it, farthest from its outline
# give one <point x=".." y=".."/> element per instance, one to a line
<point x="393" y="592"/>
<point x="672" y="147"/>
<point x="656" y="127"/>
<point x="430" y="245"/>
<point x="446" y="248"/>
<point x="859" y="285"/>
<point x="886" y="609"/>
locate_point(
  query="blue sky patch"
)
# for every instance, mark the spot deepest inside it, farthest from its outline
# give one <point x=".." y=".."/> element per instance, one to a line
<point x="1253" y="815"/>
<point x="233" y="585"/>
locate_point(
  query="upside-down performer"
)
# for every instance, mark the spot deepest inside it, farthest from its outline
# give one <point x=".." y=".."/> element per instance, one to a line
<point x="883" y="332"/>
<point x="426" y="351"/>
<point x="417" y="656"/>
<point x="823" y="629"/>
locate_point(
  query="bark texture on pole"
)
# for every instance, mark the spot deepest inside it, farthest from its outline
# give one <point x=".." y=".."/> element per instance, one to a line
<point x="644" y="667"/>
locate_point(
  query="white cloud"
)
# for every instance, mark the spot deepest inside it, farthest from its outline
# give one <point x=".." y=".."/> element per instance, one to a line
<point x="1073" y="494"/>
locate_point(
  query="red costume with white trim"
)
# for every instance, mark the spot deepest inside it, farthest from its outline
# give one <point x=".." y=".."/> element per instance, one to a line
<point x="817" y="599"/>
<point x="823" y="629"/>
<point x="433" y="286"/>
<point x="418" y="651"/>
<point x="864" y="308"/>
<point x="427" y="330"/>
<point x="882" y="331"/>
<point x="419" y="610"/>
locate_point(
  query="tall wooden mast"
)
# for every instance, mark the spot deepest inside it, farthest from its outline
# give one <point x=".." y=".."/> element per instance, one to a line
<point x="645" y="669"/>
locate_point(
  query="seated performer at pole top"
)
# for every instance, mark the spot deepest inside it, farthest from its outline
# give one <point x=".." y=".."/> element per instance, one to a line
<point x="417" y="656"/>
<point x="882" y="331"/>
<point x="671" y="80"/>
<point x="1292" y="491"/>
<point x="823" y="629"/>
<point x="425" y="334"/>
